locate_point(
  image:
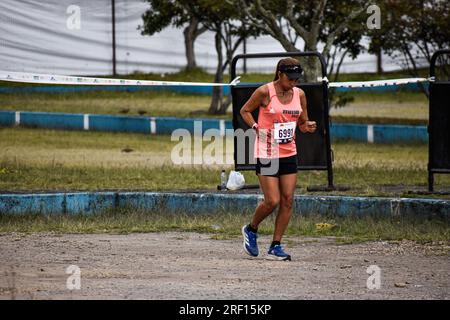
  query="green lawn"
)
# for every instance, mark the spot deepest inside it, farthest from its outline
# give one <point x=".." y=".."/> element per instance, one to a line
<point x="146" y="103"/>
<point x="397" y="108"/>
<point x="367" y="107"/>
<point x="384" y="108"/>
<point x="37" y="159"/>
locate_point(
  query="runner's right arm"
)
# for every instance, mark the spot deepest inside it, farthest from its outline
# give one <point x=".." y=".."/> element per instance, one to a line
<point x="258" y="99"/>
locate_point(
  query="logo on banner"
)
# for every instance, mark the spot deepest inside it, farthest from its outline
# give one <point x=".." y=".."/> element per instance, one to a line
<point x="73" y="22"/>
<point x="374" y="21"/>
<point x="73" y="282"/>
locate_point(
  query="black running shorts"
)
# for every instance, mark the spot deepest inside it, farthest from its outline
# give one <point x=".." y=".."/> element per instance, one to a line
<point x="276" y="167"/>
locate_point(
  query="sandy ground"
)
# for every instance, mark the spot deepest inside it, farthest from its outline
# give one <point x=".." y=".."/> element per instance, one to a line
<point x="176" y="265"/>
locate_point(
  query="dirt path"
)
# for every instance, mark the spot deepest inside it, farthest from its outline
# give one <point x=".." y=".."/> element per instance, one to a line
<point x="177" y="265"/>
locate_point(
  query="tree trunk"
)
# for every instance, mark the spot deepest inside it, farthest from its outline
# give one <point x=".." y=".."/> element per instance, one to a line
<point x="379" y="61"/>
<point x="313" y="68"/>
<point x="225" y="104"/>
<point x="414" y="71"/>
<point x="214" y="107"/>
<point x="191" y="32"/>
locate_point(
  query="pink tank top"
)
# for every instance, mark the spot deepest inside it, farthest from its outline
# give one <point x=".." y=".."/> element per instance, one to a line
<point x="276" y="126"/>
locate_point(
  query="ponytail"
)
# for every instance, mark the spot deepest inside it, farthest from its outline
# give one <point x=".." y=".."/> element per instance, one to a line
<point x="277" y="70"/>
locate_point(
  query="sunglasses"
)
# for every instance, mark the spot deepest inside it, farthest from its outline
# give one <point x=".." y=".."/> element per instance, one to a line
<point x="291" y="69"/>
<point x="293" y="72"/>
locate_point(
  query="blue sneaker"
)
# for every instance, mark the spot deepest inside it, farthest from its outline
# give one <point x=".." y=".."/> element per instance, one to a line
<point x="250" y="245"/>
<point x="277" y="253"/>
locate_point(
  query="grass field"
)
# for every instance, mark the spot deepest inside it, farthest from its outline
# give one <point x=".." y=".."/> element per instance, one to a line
<point x="398" y="107"/>
<point x="117" y="103"/>
<point x="48" y="160"/>
<point x="394" y="107"/>
<point x="384" y="108"/>
<point x="36" y="159"/>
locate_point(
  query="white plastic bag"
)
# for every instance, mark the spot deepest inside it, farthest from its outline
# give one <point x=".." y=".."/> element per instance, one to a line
<point x="235" y="180"/>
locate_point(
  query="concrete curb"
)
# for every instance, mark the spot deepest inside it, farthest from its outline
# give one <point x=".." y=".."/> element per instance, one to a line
<point x="196" y="203"/>
<point x="166" y="125"/>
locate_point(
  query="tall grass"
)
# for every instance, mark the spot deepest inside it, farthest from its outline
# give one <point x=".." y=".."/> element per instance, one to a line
<point x="226" y="225"/>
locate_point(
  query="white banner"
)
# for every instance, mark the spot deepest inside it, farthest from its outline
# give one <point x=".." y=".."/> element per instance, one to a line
<point x="59" y="79"/>
<point x="377" y="83"/>
<point x="74" y="80"/>
<point x="75" y="37"/>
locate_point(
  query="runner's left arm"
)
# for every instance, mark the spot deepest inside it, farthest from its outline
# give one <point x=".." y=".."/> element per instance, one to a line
<point x="303" y="122"/>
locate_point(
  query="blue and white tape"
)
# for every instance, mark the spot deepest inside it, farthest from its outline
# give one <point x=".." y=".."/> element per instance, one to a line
<point x="73" y="80"/>
<point x="376" y="83"/>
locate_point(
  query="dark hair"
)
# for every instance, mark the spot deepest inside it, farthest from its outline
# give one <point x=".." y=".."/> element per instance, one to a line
<point x="285" y="62"/>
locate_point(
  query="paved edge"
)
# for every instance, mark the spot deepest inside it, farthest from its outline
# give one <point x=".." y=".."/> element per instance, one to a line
<point x="195" y="203"/>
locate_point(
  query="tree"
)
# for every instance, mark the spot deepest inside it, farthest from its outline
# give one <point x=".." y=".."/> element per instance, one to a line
<point x="223" y="18"/>
<point x="220" y="17"/>
<point x="178" y="13"/>
<point x="313" y="21"/>
<point x="412" y="31"/>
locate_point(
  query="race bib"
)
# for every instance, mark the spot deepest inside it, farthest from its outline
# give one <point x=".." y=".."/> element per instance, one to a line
<point x="284" y="132"/>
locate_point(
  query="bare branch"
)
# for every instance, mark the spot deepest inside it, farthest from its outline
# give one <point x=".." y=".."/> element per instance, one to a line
<point x="318" y="13"/>
<point x="332" y="58"/>
<point x="251" y="20"/>
<point x="275" y="30"/>
<point x="293" y="22"/>
<point x="201" y="30"/>
<point x="425" y="51"/>
<point x="270" y="25"/>
<point x="336" y="74"/>
<point x="339" y="29"/>
<point x="233" y="50"/>
<point x="317" y="18"/>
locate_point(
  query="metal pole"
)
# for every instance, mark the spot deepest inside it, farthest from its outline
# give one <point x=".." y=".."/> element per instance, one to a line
<point x="245" y="52"/>
<point x="431" y="133"/>
<point x="326" y="120"/>
<point x="113" y="6"/>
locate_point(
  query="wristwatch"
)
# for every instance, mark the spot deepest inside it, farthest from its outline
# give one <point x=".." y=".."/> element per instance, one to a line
<point x="255" y="126"/>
